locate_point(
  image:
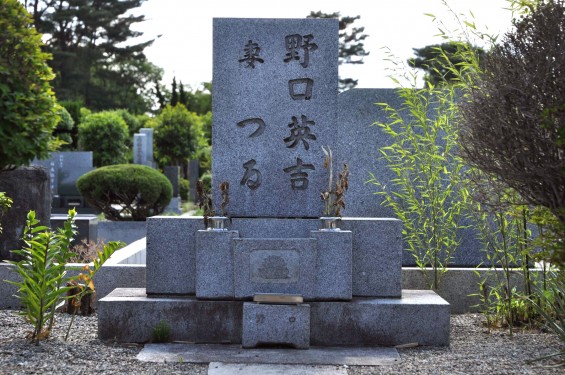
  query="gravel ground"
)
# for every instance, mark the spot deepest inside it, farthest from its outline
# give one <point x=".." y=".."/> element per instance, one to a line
<point x="474" y="350"/>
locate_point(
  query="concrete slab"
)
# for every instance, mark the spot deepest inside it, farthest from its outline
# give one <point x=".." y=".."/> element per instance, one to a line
<point x="203" y="353"/>
<point x="219" y="368"/>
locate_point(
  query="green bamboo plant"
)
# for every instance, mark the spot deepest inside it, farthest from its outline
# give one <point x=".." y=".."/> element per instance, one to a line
<point x="428" y="192"/>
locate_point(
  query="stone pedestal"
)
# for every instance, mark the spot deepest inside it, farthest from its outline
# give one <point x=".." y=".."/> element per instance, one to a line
<point x="279" y="325"/>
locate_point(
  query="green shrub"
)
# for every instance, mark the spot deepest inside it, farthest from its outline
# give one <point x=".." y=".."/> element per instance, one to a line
<point x="176" y="135"/>
<point x="126" y="191"/>
<point x="131" y="121"/>
<point x="28" y="109"/>
<point x="207" y="180"/>
<point x="184" y="189"/>
<point x="5" y="204"/>
<point x="64" y="129"/>
<point x="106" y="135"/>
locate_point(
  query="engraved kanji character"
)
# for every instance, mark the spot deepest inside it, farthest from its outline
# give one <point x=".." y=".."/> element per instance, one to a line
<point x="300" y="88"/>
<point x="251" y="55"/>
<point x="300" y="132"/>
<point x="295" y="42"/>
<point x="299" y="178"/>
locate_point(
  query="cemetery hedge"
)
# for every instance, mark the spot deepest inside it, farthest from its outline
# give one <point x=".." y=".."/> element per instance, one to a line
<point x="126" y="192"/>
<point x="28" y="108"/>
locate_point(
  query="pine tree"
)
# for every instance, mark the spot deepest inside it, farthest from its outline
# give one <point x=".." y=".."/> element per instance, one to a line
<point x="175" y="94"/>
<point x="351" y="47"/>
<point x="437" y="60"/>
<point x="92" y="58"/>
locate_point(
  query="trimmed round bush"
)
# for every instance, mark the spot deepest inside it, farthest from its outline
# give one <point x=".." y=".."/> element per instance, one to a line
<point x="126" y="192"/>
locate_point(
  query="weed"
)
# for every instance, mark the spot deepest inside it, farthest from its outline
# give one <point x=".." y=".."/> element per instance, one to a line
<point x="161" y="332"/>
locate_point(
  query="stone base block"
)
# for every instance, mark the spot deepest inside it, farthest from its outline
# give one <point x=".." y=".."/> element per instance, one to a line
<point x="375" y="265"/>
<point x="128" y="315"/>
<point x="287" y="325"/>
<point x="214" y="264"/>
<point x="420" y="316"/>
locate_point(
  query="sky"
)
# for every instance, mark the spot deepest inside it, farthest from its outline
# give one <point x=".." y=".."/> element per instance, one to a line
<point x="182" y="30"/>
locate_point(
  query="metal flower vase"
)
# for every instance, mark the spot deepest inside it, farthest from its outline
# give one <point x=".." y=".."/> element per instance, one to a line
<point x="217" y="223"/>
<point x="330" y="223"/>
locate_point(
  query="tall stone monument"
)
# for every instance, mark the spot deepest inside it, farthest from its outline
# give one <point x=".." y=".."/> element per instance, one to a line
<point x="274" y="276"/>
<point x="277" y="102"/>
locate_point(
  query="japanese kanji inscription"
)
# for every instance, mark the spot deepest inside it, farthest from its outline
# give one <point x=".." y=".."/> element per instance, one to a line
<point x="274" y="105"/>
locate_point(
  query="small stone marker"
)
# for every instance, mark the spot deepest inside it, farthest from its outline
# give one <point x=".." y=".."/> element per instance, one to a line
<point x="287" y="325"/>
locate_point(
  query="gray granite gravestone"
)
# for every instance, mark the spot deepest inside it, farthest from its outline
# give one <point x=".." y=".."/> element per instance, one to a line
<point x="172" y="172"/>
<point x="52" y="168"/>
<point x="64" y="169"/>
<point x="275" y="106"/>
<point x="273" y="111"/>
<point x="72" y="165"/>
<point x="140" y="149"/>
<point x="149" y="145"/>
<point x="193" y="175"/>
<point x="358" y="143"/>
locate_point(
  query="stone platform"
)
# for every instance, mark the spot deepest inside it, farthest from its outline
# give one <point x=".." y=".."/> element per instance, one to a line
<point x="420" y="316"/>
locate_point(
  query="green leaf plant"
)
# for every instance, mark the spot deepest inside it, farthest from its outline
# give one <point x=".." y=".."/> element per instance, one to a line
<point x="551" y="305"/>
<point x="42" y="272"/>
<point x="44" y="283"/>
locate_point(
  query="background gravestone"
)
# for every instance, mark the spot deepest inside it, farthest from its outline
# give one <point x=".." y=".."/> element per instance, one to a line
<point x="193" y="175"/>
<point x="72" y="165"/>
<point x="140" y="149"/>
<point x="52" y="167"/>
<point x="274" y="105"/>
<point x="64" y="170"/>
<point x="149" y="145"/>
<point x="358" y="144"/>
<point x="172" y="172"/>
